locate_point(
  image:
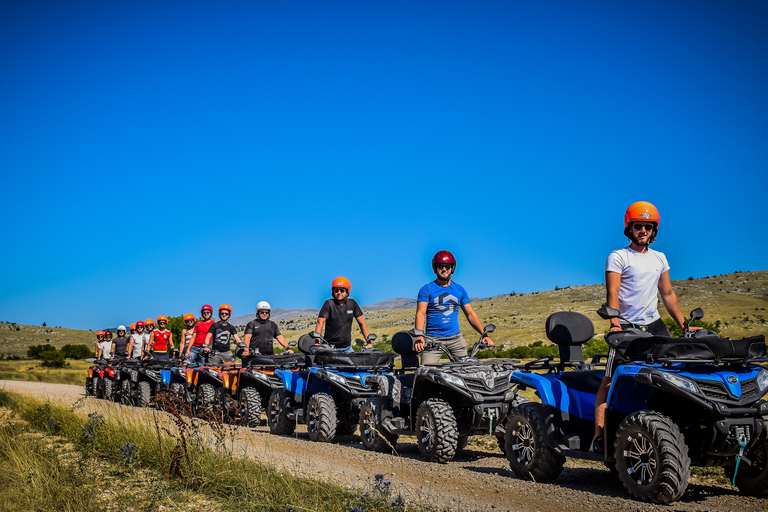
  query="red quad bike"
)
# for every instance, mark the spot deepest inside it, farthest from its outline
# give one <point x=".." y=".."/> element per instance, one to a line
<point x="93" y="385"/>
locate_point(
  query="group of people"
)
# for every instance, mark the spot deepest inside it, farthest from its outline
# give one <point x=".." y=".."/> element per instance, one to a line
<point x="634" y="277"/>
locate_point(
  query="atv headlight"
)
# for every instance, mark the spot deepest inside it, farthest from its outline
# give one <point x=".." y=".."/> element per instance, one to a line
<point x="762" y="380"/>
<point x="456" y="381"/>
<point x="681" y="382"/>
<point x="338" y="379"/>
<point x="259" y="375"/>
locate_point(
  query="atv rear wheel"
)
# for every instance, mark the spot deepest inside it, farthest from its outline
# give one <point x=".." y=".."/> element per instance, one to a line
<point x="753" y="480"/>
<point x="462" y="442"/>
<point x="206" y="399"/>
<point x="88" y="386"/>
<point x="528" y="453"/>
<point x="279" y="423"/>
<point x="108" y="388"/>
<point x="372" y="433"/>
<point x="321" y="418"/>
<point x="436" y="432"/>
<point x="250" y="406"/>
<point x="145" y="393"/>
<point x="227" y="407"/>
<point x="652" y="457"/>
<point x="98" y="391"/>
<point x="125" y="392"/>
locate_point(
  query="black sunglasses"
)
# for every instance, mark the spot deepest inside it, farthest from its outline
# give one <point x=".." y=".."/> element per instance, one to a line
<point x="638" y="226"/>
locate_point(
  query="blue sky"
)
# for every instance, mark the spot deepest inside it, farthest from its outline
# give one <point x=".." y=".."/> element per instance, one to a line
<point x="156" y="156"/>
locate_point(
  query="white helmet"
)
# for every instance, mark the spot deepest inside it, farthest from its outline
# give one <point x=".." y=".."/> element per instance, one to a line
<point x="263" y="305"/>
<point x="121" y="328"/>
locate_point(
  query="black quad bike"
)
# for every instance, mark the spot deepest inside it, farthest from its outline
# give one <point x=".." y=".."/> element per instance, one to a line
<point x="441" y="404"/>
<point x="672" y="403"/>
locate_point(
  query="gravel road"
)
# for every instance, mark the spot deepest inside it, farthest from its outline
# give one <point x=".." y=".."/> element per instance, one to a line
<point x="478" y="478"/>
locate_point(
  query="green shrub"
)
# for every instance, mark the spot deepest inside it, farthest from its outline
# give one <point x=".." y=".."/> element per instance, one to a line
<point x="77" y="352"/>
<point x="34" y="351"/>
<point x="52" y="359"/>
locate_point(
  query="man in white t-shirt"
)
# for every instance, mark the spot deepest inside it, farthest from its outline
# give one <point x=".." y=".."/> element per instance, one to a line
<point x="634" y="277"/>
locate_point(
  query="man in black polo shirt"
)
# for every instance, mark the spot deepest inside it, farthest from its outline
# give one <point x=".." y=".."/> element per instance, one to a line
<point x="337" y="314"/>
<point x="260" y="332"/>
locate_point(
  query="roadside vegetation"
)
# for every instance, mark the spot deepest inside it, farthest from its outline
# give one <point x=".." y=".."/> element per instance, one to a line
<point x="59" y="459"/>
<point x="33" y="370"/>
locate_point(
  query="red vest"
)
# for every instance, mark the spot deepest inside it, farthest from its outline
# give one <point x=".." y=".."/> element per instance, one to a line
<point x="201" y="331"/>
<point x="160" y="343"/>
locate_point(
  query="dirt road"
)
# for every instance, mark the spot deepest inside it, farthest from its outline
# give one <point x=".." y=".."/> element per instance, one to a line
<point x="477" y="479"/>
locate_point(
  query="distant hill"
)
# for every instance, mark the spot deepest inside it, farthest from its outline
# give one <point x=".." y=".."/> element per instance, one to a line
<point x="739" y="301"/>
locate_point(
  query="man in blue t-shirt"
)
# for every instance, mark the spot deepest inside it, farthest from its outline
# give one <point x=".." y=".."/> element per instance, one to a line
<point x="438" y="306"/>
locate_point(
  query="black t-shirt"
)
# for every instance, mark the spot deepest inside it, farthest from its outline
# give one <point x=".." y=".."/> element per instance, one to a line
<point x="120" y="346"/>
<point x="338" y="321"/>
<point x="262" y="335"/>
<point x="221" y="335"/>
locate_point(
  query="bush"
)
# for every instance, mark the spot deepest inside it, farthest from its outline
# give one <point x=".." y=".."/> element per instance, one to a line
<point x="52" y="359"/>
<point x="34" y="351"/>
<point x="677" y="332"/>
<point x="77" y="352"/>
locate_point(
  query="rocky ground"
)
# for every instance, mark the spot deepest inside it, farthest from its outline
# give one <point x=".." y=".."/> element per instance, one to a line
<point x="477" y="479"/>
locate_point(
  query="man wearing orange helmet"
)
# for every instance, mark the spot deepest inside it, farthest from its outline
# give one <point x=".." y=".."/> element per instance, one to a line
<point x="634" y="278"/>
<point x="161" y="339"/>
<point x="437" y="308"/>
<point x="199" y="332"/>
<point x="337" y="314"/>
<point x="220" y="334"/>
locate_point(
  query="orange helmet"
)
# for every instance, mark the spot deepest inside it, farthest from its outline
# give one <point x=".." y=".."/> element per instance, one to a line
<point x="226" y="307"/>
<point x="149" y="321"/>
<point x="132" y="326"/>
<point x="642" y="211"/>
<point x="341" y="282"/>
<point x="162" y="318"/>
<point x="189" y="316"/>
<point x="99" y="333"/>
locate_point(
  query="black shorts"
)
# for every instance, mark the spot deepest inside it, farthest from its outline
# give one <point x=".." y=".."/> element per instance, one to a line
<point x="657" y="328"/>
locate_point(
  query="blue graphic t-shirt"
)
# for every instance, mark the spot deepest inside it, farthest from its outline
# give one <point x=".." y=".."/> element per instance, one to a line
<point x="443" y="305"/>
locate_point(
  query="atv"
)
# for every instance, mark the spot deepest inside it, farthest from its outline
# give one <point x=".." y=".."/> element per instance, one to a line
<point x="93" y="384"/>
<point x="326" y="395"/>
<point x="441" y="404"/>
<point x="246" y="394"/>
<point x="672" y="403"/>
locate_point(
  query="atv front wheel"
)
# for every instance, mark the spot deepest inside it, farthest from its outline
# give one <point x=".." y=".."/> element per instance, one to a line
<point x="372" y="433"/>
<point x="528" y="453"/>
<point x="108" y="388"/>
<point x="88" y="386"/>
<point x="99" y="387"/>
<point x="226" y="404"/>
<point x="250" y="405"/>
<point x="279" y="423"/>
<point x="145" y="393"/>
<point x="652" y="457"/>
<point x="206" y="399"/>
<point x="436" y="431"/>
<point x="125" y="392"/>
<point x="753" y="480"/>
<point x="321" y="418"/>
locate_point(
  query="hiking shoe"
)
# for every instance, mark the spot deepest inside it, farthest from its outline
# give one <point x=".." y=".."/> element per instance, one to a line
<point x="598" y="445"/>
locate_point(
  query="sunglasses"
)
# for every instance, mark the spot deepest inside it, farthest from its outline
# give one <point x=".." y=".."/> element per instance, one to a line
<point x="224" y="313"/>
<point x="444" y="265"/>
<point x="162" y="322"/>
<point x="640" y="226"/>
<point x="339" y="290"/>
<point x="263" y="312"/>
<point x="189" y="322"/>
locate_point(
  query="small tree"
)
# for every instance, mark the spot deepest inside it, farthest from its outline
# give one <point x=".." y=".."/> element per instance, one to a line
<point x="52" y="359"/>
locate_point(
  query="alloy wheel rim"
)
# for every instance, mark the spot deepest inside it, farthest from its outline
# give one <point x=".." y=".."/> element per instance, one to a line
<point x="641" y="459"/>
<point x="524" y="446"/>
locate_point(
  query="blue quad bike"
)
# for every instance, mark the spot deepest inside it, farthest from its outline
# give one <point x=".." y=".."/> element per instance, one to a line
<point x="326" y="394"/>
<point x="443" y="404"/>
<point x="673" y="402"/>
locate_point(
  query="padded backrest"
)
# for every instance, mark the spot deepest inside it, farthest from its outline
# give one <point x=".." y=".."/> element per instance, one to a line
<point x="402" y="343"/>
<point x="305" y="343"/>
<point x="569" y="328"/>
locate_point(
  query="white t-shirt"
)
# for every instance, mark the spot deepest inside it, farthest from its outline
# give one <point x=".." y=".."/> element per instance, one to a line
<point x="138" y="344"/>
<point x="106" y="349"/>
<point x="640" y="273"/>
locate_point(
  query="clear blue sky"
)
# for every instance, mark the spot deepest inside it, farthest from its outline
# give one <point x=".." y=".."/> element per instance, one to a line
<point x="156" y="156"/>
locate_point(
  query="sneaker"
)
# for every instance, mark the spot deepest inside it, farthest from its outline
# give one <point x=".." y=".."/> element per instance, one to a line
<point x="598" y="445"/>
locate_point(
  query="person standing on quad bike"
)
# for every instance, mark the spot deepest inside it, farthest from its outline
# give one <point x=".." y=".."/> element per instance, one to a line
<point x="99" y="340"/>
<point x="199" y="332"/>
<point x="220" y="333"/>
<point x="260" y="332"/>
<point x="438" y="305"/>
<point x="186" y="333"/>
<point x="138" y="339"/>
<point x="634" y="277"/>
<point x="120" y="344"/>
<point x="337" y="314"/>
<point x="149" y="327"/>
<point x="105" y="346"/>
<point x="161" y="339"/>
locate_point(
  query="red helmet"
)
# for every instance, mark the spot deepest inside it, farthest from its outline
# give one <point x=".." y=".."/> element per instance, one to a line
<point x="225" y="307"/>
<point x="209" y="308"/>
<point x="107" y="333"/>
<point x="189" y="316"/>
<point x="139" y="324"/>
<point x="642" y="211"/>
<point x="341" y="282"/>
<point x="443" y="257"/>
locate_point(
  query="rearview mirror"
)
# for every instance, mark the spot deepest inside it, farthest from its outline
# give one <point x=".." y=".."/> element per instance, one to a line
<point x="315" y="335"/>
<point x="371" y="338"/>
<point x="490" y="328"/>
<point x="607" y="313"/>
<point x="697" y="314"/>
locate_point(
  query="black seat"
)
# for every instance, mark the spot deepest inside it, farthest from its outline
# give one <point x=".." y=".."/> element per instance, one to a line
<point x="569" y="331"/>
<point x="402" y="343"/>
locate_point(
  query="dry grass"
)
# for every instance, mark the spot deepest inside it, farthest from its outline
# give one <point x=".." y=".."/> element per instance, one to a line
<point x="30" y="370"/>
